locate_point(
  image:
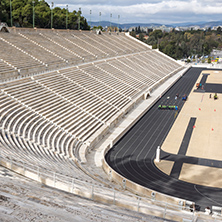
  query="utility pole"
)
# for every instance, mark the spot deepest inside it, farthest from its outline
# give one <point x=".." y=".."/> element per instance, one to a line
<point x="110" y="22"/>
<point x="100" y="19"/>
<point x="90" y="18"/>
<point x="11" y="11"/>
<point x="52" y="15"/>
<point x="67" y="16"/>
<point x="118" y="21"/>
<point x="79" y="18"/>
<point x="33" y="14"/>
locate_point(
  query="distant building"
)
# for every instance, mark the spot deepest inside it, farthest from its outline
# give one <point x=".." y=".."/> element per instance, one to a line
<point x="195" y="27"/>
<point x="216" y="27"/>
<point x="165" y="28"/>
<point x="182" y="28"/>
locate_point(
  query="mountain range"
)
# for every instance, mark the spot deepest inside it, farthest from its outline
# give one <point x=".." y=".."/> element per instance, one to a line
<point x="185" y="24"/>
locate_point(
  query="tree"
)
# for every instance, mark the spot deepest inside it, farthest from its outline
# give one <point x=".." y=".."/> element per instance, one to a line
<point x="219" y="30"/>
<point x="157" y="34"/>
<point x="185" y="44"/>
<point x="22" y="13"/>
<point x="73" y="20"/>
<point x="170" y="49"/>
<point x="97" y="27"/>
<point x="179" y="54"/>
<point x="151" y="40"/>
<point x="17" y="14"/>
<point x="5" y="11"/>
<point x="141" y="36"/>
<point x="85" y="25"/>
<point x="27" y="13"/>
<point x="133" y="33"/>
<point x="42" y="14"/>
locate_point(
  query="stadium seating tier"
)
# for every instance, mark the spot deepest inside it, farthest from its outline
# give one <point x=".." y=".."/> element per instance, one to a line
<point x="47" y="116"/>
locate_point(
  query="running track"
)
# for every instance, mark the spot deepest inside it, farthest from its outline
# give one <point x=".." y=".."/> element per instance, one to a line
<point x="133" y="155"/>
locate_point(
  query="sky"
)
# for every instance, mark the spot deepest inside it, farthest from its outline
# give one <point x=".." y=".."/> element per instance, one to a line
<point x="150" y="11"/>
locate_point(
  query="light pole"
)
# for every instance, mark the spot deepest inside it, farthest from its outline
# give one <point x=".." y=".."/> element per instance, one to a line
<point x="100" y="19"/>
<point x="33" y="14"/>
<point x="67" y="16"/>
<point x="79" y="18"/>
<point x="110" y="22"/>
<point x="118" y="21"/>
<point x="90" y="17"/>
<point x="11" y="12"/>
<point x="52" y="15"/>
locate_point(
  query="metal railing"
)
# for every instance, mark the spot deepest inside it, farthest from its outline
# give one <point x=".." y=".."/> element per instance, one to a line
<point x="101" y="193"/>
<point x="207" y="65"/>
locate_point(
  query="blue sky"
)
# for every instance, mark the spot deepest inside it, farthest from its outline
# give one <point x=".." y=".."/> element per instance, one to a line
<point x="153" y="11"/>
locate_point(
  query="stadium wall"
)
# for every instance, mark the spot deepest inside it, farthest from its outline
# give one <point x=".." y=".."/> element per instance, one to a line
<point x="101" y="195"/>
<point x="128" y="184"/>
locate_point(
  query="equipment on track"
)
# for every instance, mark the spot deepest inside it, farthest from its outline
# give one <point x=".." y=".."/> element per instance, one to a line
<point x="168" y="107"/>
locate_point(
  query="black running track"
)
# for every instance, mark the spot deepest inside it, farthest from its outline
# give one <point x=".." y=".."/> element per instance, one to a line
<point x="133" y="155"/>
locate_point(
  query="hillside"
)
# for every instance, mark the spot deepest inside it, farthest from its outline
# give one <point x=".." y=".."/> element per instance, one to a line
<point x="184" y="44"/>
<point x="173" y="25"/>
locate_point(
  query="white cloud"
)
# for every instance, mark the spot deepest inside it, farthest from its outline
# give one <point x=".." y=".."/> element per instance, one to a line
<point x="168" y="11"/>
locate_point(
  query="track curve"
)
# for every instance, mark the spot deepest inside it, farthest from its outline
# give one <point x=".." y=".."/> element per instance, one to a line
<point x="133" y="155"/>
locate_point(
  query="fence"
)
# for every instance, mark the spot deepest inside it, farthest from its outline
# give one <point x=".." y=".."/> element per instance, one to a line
<point x="206" y="65"/>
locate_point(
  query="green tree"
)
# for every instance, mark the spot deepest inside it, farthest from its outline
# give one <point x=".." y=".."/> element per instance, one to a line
<point x="151" y="40"/>
<point x="170" y="49"/>
<point x="157" y="34"/>
<point x="97" y="27"/>
<point x="42" y="14"/>
<point x="73" y="20"/>
<point x="17" y="6"/>
<point x="133" y="33"/>
<point x="185" y="44"/>
<point x="22" y="13"/>
<point x="85" y="25"/>
<point x="219" y="30"/>
<point x="141" y="36"/>
<point x="5" y="11"/>
<point x="27" y="13"/>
